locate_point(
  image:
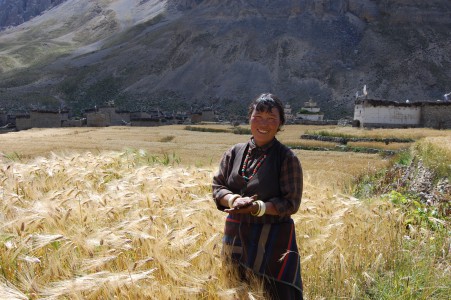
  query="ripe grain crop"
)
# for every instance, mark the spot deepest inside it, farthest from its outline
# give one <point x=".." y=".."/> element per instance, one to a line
<point x="127" y="213"/>
<point x="382" y="133"/>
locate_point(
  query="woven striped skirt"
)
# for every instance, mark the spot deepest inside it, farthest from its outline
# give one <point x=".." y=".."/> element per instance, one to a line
<point x="269" y="249"/>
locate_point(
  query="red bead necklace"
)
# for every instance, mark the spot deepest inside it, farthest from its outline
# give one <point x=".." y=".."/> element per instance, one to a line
<point x="246" y="160"/>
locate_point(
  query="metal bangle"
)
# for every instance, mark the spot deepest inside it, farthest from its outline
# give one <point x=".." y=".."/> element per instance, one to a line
<point x="262" y="209"/>
<point x="258" y="212"/>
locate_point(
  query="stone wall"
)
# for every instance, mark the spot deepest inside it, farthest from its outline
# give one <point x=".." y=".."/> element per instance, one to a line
<point x="208" y="116"/>
<point x="23" y="122"/>
<point x="114" y="117"/>
<point x="145" y="122"/>
<point x="120" y="118"/>
<point x="47" y="119"/>
<point x="437" y="116"/>
<point x="72" y="123"/>
<point x="96" y="120"/>
<point x="311" y="122"/>
<point x="196" y="118"/>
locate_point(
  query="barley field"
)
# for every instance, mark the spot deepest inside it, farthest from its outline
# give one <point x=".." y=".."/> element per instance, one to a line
<point x="127" y="213"/>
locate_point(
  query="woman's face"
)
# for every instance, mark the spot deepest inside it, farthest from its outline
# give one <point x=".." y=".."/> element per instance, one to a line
<point x="264" y="125"/>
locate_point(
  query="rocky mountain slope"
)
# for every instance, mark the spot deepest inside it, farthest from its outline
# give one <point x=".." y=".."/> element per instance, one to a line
<point x="15" y="12"/>
<point x="190" y="53"/>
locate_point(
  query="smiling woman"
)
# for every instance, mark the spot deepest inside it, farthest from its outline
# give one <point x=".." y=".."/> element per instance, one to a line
<point x="259" y="185"/>
<point x="266" y="116"/>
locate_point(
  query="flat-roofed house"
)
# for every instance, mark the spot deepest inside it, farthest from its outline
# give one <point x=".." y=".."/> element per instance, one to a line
<point x="208" y="115"/>
<point x="48" y="118"/>
<point x="113" y="116"/>
<point x="310" y="111"/>
<point x="94" y="118"/>
<point x="391" y="114"/>
<point x="196" y="117"/>
<point x="22" y="121"/>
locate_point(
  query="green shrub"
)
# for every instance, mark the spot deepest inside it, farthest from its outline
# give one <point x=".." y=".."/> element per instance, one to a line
<point x="404" y="157"/>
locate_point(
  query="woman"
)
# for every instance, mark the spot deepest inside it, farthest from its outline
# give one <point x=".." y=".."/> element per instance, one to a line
<point x="259" y="185"/>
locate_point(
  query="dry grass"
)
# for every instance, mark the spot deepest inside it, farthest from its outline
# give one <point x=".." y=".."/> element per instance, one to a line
<point x="198" y="148"/>
<point x="89" y="226"/>
<point x="83" y="223"/>
<point x="442" y="142"/>
<point x="409" y="133"/>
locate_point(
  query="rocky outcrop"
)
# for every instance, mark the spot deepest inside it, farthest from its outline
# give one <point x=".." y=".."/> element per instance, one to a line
<point x="417" y="182"/>
<point x="420" y="180"/>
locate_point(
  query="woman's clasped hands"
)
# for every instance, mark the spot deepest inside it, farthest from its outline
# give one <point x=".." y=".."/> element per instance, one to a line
<point x="243" y="205"/>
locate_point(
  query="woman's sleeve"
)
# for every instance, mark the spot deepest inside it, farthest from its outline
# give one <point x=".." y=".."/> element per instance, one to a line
<point x="219" y="185"/>
<point x="291" y="183"/>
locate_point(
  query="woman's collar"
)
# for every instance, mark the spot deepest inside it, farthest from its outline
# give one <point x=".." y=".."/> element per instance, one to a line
<point x="265" y="147"/>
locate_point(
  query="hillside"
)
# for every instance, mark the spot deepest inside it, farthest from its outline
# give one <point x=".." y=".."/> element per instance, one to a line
<point x="15" y="12"/>
<point x="183" y="54"/>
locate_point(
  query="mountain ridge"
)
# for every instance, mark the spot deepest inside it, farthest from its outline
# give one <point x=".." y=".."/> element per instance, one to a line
<point x="193" y="53"/>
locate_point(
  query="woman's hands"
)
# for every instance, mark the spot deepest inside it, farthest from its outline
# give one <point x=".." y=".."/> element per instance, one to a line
<point x="243" y="205"/>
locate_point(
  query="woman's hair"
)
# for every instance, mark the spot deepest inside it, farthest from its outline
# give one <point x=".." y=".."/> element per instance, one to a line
<point x="265" y="103"/>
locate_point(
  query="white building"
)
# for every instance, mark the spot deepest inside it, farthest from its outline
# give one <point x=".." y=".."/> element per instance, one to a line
<point x="288" y="113"/>
<point x="392" y="114"/>
<point x="310" y="111"/>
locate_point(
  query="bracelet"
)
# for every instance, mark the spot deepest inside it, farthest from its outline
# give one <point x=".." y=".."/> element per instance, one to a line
<point x="258" y="210"/>
<point x="232" y="199"/>
<point x="261" y="209"/>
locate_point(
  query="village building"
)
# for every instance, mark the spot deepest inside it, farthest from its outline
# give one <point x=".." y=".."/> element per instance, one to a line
<point x="373" y="113"/>
<point x="206" y="115"/>
<point x="147" y="119"/>
<point x="96" y="119"/>
<point x="176" y="117"/>
<point x="146" y="122"/>
<point x="196" y="117"/>
<point x="114" y="117"/>
<point x="22" y="121"/>
<point x="106" y="116"/>
<point x="48" y="118"/>
<point x="310" y="111"/>
<point x="289" y="117"/>
<point x="40" y="119"/>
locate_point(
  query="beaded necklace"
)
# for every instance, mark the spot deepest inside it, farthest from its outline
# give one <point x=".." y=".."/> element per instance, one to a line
<point x="246" y="160"/>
